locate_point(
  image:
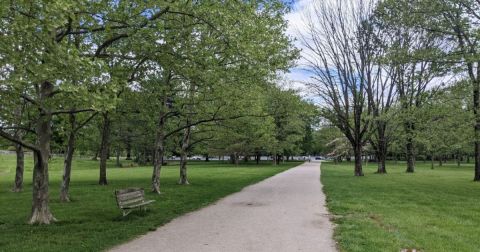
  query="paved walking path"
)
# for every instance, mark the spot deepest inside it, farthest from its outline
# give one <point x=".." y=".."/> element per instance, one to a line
<point x="283" y="213"/>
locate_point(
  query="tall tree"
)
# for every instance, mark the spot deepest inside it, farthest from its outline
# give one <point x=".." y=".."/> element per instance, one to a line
<point x="423" y="49"/>
<point x="341" y="60"/>
<point x="74" y="127"/>
<point x="34" y="57"/>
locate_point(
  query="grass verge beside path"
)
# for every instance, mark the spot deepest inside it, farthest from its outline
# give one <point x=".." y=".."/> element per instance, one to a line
<point x="92" y="221"/>
<point x="430" y="210"/>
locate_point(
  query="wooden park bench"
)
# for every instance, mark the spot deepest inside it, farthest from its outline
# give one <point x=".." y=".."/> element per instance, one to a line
<point x="130" y="199"/>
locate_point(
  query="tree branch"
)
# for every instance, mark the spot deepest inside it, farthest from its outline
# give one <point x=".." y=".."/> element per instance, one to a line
<point x="16" y="140"/>
<point x="71" y="111"/>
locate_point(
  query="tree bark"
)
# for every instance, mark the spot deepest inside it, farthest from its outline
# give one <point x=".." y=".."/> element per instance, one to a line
<point x="104" y="149"/>
<point x="40" y="210"/>
<point x="280" y="158"/>
<point x="159" y="149"/>
<point x="476" y="109"/>
<point x="158" y="160"/>
<point x="18" y="184"/>
<point x="432" y="160"/>
<point x="410" y="152"/>
<point x="129" y="150"/>
<point x="237" y="158"/>
<point x="477" y="158"/>
<point x="67" y="163"/>
<point x="117" y="158"/>
<point x="183" y="180"/>
<point x="381" y="147"/>
<point x="358" y="159"/>
<point x="381" y="156"/>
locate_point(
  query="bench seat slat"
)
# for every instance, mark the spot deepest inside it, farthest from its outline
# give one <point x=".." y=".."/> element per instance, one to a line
<point x="138" y="205"/>
<point x="130" y="195"/>
<point x="131" y="202"/>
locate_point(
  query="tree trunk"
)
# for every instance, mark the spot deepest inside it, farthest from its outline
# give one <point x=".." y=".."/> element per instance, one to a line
<point x="477" y="155"/>
<point x="159" y="149"/>
<point x="476" y="110"/>
<point x="117" y="158"/>
<point x="432" y="159"/>
<point x="95" y="158"/>
<point x="410" y="155"/>
<point x="257" y="158"/>
<point x="129" y="150"/>
<point x="358" y="160"/>
<point x="104" y="149"/>
<point x="158" y="158"/>
<point x="440" y="161"/>
<point x="18" y="184"/>
<point x="20" y="155"/>
<point x="237" y="158"/>
<point x="40" y="210"/>
<point x="382" y="146"/>
<point x="381" y="163"/>
<point x="183" y="180"/>
<point x="67" y="163"/>
<point x="207" y="158"/>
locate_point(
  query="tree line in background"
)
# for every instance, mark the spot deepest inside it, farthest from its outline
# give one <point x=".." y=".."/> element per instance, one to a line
<point x="396" y="79"/>
<point x="145" y="80"/>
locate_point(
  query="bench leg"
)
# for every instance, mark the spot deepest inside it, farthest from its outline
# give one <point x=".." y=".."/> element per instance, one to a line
<point x="126" y="212"/>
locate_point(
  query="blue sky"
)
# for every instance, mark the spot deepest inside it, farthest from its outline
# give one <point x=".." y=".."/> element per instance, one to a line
<point x="297" y="75"/>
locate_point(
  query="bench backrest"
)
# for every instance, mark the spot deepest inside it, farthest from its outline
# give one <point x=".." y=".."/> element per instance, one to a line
<point x="129" y="196"/>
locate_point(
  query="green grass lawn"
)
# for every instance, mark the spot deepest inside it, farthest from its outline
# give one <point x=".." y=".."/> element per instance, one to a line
<point x="92" y="221"/>
<point x="431" y="210"/>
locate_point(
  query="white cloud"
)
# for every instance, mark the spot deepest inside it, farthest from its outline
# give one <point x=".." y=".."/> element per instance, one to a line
<point x="296" y="26"/>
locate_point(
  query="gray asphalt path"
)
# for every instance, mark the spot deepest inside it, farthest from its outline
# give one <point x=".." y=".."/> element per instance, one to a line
<point x="283" y="213"/>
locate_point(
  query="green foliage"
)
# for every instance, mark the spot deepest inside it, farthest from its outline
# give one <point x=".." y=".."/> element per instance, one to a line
<point x="446" y="122"/>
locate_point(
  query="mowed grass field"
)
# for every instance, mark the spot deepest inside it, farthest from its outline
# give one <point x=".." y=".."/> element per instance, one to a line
<point x="430" y="210"/>
<point x="92" y="221"/>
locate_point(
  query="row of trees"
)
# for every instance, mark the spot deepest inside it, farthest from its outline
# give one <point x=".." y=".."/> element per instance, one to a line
<point x="389" y="71"/>
<point x="443" y="131"/>
<point x="145" y="78"/>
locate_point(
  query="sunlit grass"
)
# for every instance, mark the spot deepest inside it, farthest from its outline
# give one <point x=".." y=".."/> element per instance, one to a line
<point x="430" y="210"/>
<point x="92" y="221"/>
